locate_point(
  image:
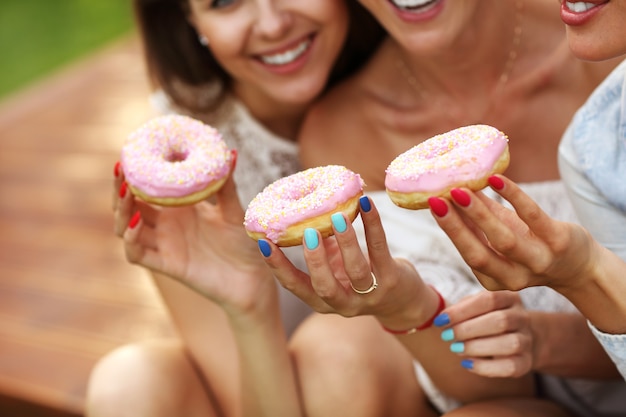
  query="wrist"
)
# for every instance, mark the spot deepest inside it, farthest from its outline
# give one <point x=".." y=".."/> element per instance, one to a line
<point x="433" y="307"/>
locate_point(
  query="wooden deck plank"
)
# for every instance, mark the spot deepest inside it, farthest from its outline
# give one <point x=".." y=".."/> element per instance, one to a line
<point x="67" y="294"/>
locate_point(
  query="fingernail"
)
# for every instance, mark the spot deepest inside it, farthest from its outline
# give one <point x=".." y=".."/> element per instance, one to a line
<point x="116" y="169"/>
<point x="460" y="196"/>
<point x="447" y="335"/>
<point x="366" y="206"/>
<point x="438" y="206"/>
<point x="339" y="222"/>
<point x="233" y="154"/>
<point x="265" y="247"/>
<point x="457" y="347"/>
<point x="442" y="320"/>
<point x="134" y="220"/>
<point x="310" y="238"/>
<point x="123" y="190"/>
<point x="467" y="364"/>
<point x="496" y="182"/>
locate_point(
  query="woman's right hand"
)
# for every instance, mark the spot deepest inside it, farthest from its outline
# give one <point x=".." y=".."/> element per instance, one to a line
<point x="204" y="245"/>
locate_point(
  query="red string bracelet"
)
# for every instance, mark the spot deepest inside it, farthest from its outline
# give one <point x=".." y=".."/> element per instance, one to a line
<point x="426" y="324"/>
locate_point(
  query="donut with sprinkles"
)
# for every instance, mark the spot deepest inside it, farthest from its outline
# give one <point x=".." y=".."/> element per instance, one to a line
<point x="306" y="199"/>
<point x="175" y="160"/>
<point x="463" y="157"/>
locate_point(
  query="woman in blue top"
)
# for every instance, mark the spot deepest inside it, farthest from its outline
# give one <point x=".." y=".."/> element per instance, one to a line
<point x="527" y="247"/>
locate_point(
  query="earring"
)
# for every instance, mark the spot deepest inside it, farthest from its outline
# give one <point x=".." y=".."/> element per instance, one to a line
<point x="203" y="40"/>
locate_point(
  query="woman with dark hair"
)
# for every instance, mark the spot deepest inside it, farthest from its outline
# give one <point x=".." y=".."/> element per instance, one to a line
<point x="250" y="69"/>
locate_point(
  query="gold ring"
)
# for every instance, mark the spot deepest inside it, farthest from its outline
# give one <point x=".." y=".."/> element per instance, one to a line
<point x="370" y="289"/>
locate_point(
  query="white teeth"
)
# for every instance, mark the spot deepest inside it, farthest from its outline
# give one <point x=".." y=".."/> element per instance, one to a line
<point x="579" y="6"/>
<point x="287" y="56"/>
<point x="411" y="4"/>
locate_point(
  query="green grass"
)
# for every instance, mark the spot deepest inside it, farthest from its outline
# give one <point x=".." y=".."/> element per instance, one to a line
<point x="39" y="36"/>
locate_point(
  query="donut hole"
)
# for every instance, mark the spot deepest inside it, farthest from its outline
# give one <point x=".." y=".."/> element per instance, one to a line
<point x="176" y="155"/>
<point x="303" y="193"/>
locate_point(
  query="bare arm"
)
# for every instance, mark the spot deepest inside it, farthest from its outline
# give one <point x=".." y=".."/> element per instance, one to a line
<point x="555" y="335"/>
<point x="221" y="296"/>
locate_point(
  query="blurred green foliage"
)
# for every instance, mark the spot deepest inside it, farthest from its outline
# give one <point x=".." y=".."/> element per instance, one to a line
<point x="39" y="36"/>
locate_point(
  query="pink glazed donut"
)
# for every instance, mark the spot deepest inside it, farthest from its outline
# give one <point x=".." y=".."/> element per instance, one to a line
<point x="289" y="205"/>
<point x="463" y="157"/>
<point x="175" y="160"/>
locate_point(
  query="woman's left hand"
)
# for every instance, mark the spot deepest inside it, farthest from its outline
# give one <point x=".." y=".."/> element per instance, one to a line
<point x="492" y="332"/>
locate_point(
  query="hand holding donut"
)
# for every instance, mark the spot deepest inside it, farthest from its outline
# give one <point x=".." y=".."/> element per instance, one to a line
<point x="341" y="277"/>
<point x="463" y="157"/>
<point x="513" y="249"/>
<point x="204" y="245"/>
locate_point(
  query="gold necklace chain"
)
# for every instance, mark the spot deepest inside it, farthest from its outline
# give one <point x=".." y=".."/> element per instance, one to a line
<point x="508" y="65"/>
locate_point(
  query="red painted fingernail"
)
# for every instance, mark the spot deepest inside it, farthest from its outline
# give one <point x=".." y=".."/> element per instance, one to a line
<point x="496" y="182"/>
<point x="116" y="169"/>
<point x="233" y="153"/>
<point x="134" y="220"/>
<point x="123" y="189"/>
<point x="438" y="206"/>
<point x="461" y="197"/>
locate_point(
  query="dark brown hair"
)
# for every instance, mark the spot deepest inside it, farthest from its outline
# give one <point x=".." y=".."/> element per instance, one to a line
<point x="182" y="67"/>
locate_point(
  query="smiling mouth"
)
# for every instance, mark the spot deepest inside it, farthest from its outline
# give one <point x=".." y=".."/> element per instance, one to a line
<point x="579" y="6"/>
<point x="414" y="5"/>
<point x="287" y="57"/>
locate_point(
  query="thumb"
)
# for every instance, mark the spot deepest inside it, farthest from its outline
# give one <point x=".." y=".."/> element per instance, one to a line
<point x="227" y="197"/>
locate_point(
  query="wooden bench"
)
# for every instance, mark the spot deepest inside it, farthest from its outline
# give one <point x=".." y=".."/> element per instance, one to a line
<point x="67" y="294"/>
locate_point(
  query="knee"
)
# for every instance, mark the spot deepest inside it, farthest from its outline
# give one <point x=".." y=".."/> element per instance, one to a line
<point x="331" y="353"/>
<point x="135" y="379"/>
<point x="333" y="342"/>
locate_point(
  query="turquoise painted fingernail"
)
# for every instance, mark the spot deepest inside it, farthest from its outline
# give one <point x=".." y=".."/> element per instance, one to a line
<point x="442" y="320"/>
<point x="265" y="247"/>
<point x="310" y="238"/>
<point x="467" y="364"/>
<point x="457" y="347"/>
<point x="339" y="222"/>
<point x="447" y="335"/>
<point x="365" y="204"/>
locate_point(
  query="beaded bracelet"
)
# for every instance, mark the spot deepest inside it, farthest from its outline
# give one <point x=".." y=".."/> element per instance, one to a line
<point x="426" y="324"/>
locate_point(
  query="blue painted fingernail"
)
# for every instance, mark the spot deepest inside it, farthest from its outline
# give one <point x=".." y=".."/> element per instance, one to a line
<point x="447" y="335"/>
<point x="467" y="364"/>
<point x="365" y="204"/>
<point x="310" y="238"/>
<point x="442" y="320"/>
<point x="265" y="247"/>
<point x="339" y="222"/>
<point x="457" y="347"/>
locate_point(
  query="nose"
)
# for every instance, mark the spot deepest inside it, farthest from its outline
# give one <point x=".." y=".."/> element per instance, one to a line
<point x="273" y="18"/>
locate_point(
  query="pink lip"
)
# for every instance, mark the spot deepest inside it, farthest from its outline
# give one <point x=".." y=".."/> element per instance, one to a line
<point x="408" y="16"/>
<point x="294" y="65"/>
<point x="571" y="18"/>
